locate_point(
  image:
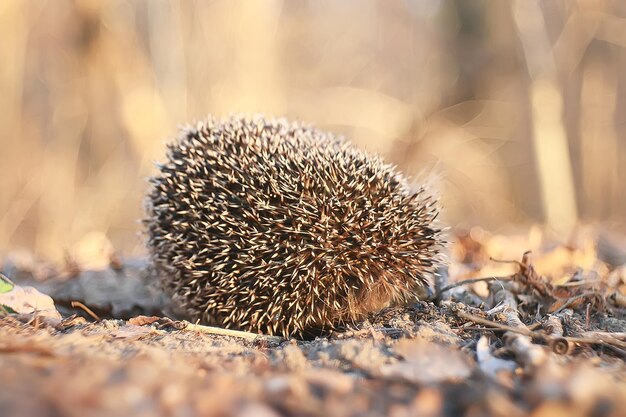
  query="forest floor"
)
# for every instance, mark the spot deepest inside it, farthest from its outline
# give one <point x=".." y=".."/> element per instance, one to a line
<point x="505" y="333"/>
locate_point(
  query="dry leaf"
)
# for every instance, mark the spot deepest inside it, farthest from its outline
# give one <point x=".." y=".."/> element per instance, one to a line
<point x="26" y="300"/>
<point x="143" y="320"/>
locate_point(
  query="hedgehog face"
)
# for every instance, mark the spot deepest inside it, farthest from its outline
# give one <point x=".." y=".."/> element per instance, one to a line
<point x="278" y="228"/>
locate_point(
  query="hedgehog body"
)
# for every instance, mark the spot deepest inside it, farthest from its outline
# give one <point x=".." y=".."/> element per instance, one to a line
<point x="279" y="228"/>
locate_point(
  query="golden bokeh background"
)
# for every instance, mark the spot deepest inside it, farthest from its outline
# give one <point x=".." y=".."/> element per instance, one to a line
<point x="518" y="108"/>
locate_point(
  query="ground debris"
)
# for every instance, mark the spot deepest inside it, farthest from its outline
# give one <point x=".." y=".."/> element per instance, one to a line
<point x="537" y="335"/>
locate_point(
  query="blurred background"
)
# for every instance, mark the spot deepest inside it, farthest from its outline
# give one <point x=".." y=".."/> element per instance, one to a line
<point x="518" y="108"/>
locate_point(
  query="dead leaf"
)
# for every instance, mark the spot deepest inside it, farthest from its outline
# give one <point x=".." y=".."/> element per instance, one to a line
<point x="25" y="300"/>
<point x="143" y="320"/>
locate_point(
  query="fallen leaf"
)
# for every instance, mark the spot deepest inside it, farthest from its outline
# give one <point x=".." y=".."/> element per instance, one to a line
<point x="143" y="320"/>
<point x="5" y="284"/>
<point x="25" y="300"/>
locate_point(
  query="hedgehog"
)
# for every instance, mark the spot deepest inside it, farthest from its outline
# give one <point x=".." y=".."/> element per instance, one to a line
<point x="278" y="228"/>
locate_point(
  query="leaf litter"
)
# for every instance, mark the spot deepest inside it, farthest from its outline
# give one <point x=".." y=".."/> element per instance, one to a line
<point x="508" y="332"/>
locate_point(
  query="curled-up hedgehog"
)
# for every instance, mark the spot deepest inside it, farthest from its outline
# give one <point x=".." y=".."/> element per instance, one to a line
<point x="279" y="228"/>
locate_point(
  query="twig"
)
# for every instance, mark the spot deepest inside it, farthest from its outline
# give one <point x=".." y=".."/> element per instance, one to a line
<point x="553" y="326"/>
<point x="470" y="281"/>
<point x="620" y="352"/>
<point x="572" y="300"/>
<point x="490" y="364"/>
<point x="612" y="335"/>
<point x="599" y="340"/>
<point x="85" y="309"/>
<point x="487" y="322"/>
<point x="232" y="333"/>
<point x="528" y="353"/>
<point x="505" y="261"/>
<point x="7" y="279"/>
<point x="502" y="299"/>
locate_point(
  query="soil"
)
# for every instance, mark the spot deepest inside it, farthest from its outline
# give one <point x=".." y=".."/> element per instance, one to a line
<point x="531" y="343"/>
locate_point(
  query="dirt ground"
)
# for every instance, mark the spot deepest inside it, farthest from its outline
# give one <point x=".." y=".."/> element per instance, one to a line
<point x="540" y="335"/>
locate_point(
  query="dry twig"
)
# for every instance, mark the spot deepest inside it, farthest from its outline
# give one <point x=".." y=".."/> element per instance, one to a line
<point x="468" y="282"/>
<point x="598" y="340"/>
<point x="86" y="309"/>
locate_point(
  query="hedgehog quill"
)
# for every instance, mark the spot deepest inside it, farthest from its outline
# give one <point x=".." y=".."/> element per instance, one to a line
<point x="279" y="228"/>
